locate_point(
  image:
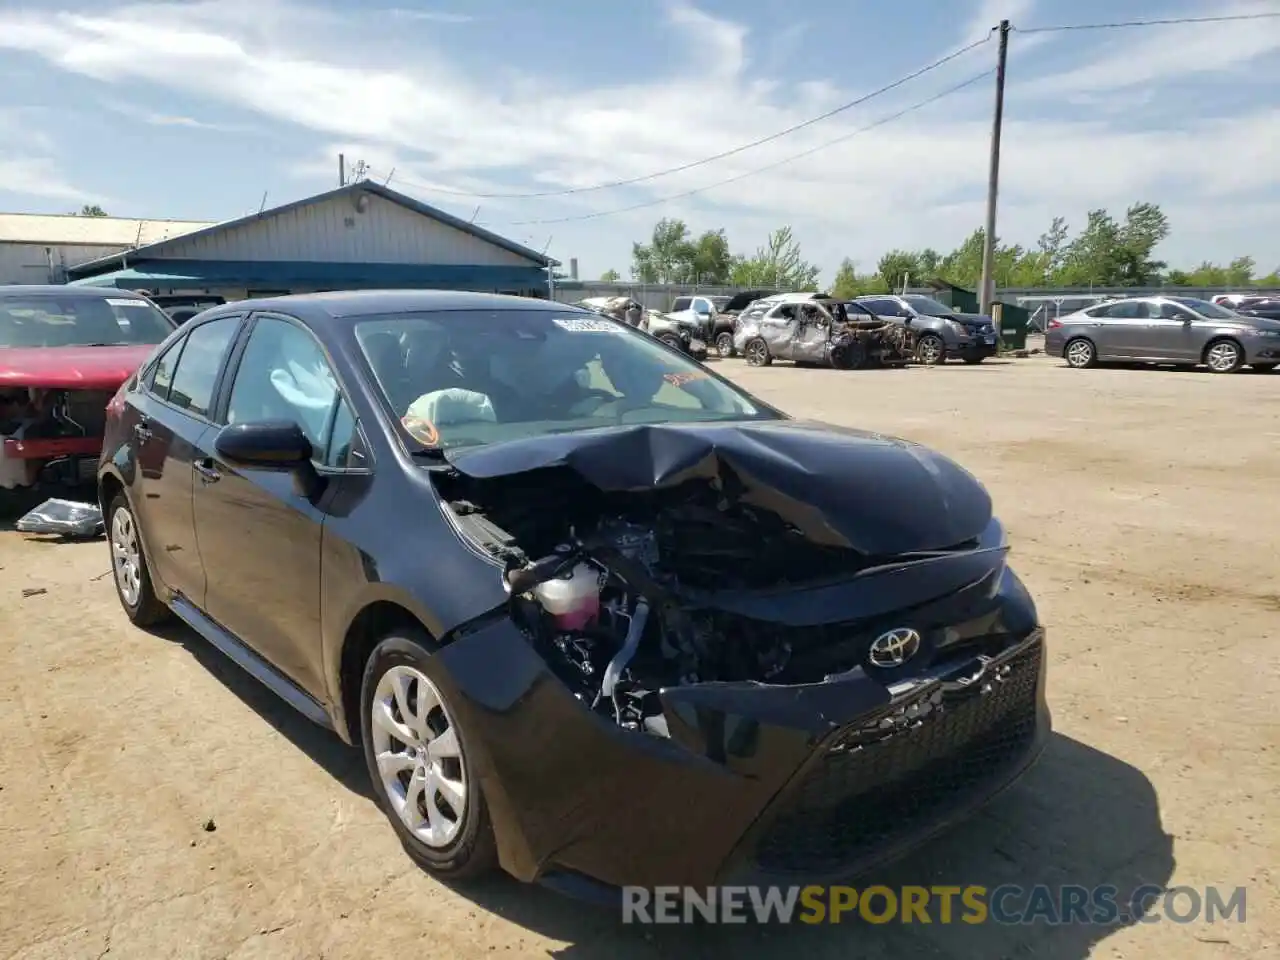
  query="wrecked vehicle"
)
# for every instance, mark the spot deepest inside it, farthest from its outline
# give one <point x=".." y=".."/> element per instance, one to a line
<point x="724" y="320"/>
<point x="513" y="550"/>
<point x="678" y="332"/>
<point x="63" y="352"/>
<point x="813" y="329"/>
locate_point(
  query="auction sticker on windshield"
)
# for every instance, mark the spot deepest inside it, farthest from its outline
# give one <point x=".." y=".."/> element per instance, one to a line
<point x="586" y="325"/>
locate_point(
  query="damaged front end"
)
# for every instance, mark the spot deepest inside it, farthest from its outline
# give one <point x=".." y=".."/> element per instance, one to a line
<point x="823" y="618"/>
<point x="50" y="436"/>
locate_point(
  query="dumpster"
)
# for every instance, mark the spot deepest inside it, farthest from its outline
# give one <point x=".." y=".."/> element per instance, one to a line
<point x="1011" y="322"/>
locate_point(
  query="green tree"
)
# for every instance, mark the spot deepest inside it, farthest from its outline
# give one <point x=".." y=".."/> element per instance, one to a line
<point x="779" y="263"/>
<point x="668" y="256"/>
<point x="92" y="210"/>
<point x="610" y="276"/>
<point x="845" y="284"/>
<point x="1052" y="247"/>
<point x="710" y="259"/>
<point x="899" y="267"/>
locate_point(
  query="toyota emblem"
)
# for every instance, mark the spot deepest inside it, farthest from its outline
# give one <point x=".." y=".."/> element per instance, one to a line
<point x="894" y="647"/>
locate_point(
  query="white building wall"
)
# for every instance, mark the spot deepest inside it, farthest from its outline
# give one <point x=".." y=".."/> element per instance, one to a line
<point x="45" y="263"/>
<point x="335" y="231"/>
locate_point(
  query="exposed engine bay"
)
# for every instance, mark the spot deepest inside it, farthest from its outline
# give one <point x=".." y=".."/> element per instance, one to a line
<point x="30" y="414"/>
<point x="613" y="587"/>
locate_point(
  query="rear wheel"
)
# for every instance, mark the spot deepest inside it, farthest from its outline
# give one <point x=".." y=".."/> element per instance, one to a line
<point x="416" y="753"/>
<point x="930" y="350"/>
<point x="1223" y="356"/>
<point x="1080" y="353"/>
<point x="757" y="352"/>
<point x="724" y="345"/>
<point x="129" y="566"/>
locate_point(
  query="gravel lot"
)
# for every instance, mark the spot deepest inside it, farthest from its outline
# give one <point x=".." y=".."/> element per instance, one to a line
<point x="155" y="803"/>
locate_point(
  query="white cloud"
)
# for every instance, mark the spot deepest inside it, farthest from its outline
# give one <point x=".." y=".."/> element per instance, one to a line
<point x="431" y="16"/>
<point x="27" y="167"/>
<point x="919" y="181"/>
<point x="157" y="119"/>
<point x="1174" y="53"/>
<point x="989" y="13"/>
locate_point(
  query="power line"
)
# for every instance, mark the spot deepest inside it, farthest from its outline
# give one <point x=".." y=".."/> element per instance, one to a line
<point x="771" y="166"/>
<point x="928" y="68"/>
<point x="1148" y="23"/>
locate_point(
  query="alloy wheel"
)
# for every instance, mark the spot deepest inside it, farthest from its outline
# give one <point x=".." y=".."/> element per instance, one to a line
<point x="724" y="345"/>
<point x="929" y="350"/>
<point x="419" y="756"/>
<point x="126" y="556"/>
<point x="1223" y="357"/>
<point x="757" y="353"/>
<point x="1080" y="353"/>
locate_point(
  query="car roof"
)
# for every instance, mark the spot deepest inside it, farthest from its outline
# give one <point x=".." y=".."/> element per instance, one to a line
<point x="341" y="304"/>
<point x="66" y="292"/>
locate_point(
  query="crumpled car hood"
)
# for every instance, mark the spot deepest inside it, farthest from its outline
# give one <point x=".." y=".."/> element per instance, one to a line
<point x="877" y="495"/>
<point x="71" y="368"/>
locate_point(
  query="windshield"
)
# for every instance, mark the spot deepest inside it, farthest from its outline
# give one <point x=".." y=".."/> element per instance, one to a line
<point x="458" y="379"/>
<point x="1206" y="309"/>
<point x="80" y="322"/>
<point x="928" y="306"/>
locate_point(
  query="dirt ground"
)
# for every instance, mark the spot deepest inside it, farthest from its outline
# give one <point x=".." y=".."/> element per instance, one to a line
<point x="155" y="803"/>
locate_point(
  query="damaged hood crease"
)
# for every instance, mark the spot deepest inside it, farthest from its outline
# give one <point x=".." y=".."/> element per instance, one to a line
<point x="877" y="495"/>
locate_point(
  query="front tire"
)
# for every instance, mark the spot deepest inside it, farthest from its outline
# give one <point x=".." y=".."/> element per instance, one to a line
<point x="417" y="757"/>
<point x="757" y="352"/>
<point x="129" y="568"/>
<point x="930" y="350"/>
<point x="672" y="341"/>
<point x="1223" y="356"/>
<point x="724" y="345"/>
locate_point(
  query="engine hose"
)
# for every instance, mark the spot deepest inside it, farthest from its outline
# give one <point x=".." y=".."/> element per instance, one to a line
<point x="613" y="672"/>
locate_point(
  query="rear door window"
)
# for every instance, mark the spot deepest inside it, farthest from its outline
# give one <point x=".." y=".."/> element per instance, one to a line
<point x="199" y="365"/>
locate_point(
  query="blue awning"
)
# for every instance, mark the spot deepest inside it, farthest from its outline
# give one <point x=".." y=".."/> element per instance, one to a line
<point x="336" y="276"/>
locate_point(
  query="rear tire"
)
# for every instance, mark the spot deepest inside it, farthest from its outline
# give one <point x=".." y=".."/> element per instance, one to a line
<point x="1223" y="356"/>
<point x="422" y="774"/>
<point x="129" y="568"/>
<point x="724" y="345"/>
<point x="1080" y="353"/>
<point x="757" y="352"/>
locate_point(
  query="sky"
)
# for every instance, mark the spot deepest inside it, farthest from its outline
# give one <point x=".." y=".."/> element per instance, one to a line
<point x="200" y="110"/>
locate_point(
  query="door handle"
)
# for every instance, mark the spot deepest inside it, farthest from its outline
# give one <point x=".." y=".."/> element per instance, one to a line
<point x="208" y="472"/>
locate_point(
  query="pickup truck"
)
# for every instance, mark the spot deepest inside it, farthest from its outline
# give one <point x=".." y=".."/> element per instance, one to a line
<point x="715" y="315"/>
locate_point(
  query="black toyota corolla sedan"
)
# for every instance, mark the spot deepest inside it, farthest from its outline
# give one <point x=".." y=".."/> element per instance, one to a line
<point x="593" y="613"/>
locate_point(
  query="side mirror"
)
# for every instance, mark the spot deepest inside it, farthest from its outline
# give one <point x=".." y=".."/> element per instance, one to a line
<point x="266" y="444"/>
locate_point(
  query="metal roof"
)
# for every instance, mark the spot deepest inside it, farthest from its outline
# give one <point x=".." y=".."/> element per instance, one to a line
<point x="72" y="230"/>
<point x="366" y="186"/>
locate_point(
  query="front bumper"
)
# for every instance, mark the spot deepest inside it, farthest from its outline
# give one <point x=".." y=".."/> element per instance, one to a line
<point x="758" y="782"/>
<point x="976" y="347"/>
<point x="1262" y="349"/>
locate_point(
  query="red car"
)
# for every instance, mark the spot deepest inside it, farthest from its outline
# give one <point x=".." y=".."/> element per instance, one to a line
<point x="64" y="351"/>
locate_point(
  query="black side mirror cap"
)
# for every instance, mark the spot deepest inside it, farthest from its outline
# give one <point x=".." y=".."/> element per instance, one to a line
<point x="267" y="445"/>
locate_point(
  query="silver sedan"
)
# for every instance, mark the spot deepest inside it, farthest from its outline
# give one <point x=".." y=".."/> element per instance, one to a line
<point x="1176" y="330"/>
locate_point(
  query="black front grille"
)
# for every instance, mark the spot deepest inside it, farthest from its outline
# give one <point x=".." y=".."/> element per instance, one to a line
<point x="890" y="776"/>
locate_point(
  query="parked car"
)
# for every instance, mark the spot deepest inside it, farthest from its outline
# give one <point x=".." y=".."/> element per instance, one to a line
<point x="940" y="332"/>
<point x="1178" y="330"/>
<point x="182" y="307"/>
<point x="512" y="550"/>
<point x="680" y="333"/>
<point x="813" y="329"/>
<point x="699" y="313"/>
<point x="724" y="321"/>
<point x="1268" y="307"/>
<point x="63" y="352"/>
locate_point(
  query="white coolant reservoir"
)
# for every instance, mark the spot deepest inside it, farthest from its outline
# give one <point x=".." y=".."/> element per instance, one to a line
<point x="572" y="599"/>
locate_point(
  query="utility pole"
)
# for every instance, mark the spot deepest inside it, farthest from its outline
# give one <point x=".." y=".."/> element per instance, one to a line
<point x="988" y="293"/>
<point x="342" y="170"/>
